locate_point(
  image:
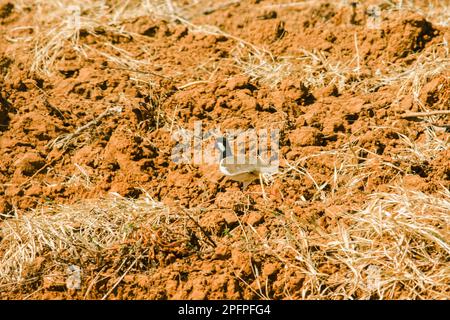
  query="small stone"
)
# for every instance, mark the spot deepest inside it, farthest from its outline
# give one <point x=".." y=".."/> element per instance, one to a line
<point x="230" y="218"/>
<point x="30" y="163"/>
<point x="237" y="82"/>
<point x="327" y="91"/>
<point x="221" y="253"/>
<point x="33" y="191"/>
<point x="270" y="269"/>
<point x="242" y="262"/>
<point x="255" y="218"/>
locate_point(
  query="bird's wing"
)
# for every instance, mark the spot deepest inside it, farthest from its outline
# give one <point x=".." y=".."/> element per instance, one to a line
<point x="230" y="169"/>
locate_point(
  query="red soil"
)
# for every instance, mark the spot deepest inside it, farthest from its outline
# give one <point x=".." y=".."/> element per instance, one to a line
<point x="130" y="152"/>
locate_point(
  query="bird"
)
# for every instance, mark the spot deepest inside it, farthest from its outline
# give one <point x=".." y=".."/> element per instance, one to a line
<point x="241" y="172"/>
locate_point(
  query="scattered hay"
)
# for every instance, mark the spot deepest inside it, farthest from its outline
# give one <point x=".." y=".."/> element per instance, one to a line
<point x="396" y="247"/>
<point x="88" y="228"/>
<point x="262" y="66"/>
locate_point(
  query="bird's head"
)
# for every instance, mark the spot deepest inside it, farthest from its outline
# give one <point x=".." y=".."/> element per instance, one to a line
<point x="224" y="147"/>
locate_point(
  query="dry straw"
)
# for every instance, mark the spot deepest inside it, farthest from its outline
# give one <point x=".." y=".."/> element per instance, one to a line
<point x="88" y="228"/>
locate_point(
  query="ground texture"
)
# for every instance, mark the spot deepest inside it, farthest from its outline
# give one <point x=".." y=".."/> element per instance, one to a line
<point x="91" y="93"/>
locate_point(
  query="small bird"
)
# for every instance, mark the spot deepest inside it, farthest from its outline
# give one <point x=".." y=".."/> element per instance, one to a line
<point x="242" y="172"/>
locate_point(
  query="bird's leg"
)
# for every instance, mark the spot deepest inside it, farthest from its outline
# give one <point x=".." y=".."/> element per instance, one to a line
<point x="262" y="186"/>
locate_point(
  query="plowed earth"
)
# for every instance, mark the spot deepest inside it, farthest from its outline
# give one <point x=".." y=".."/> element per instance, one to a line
<point x="336" y="102"/>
